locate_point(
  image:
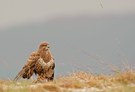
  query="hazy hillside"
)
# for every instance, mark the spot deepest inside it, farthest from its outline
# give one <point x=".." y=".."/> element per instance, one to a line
<point x="76" y="43"/>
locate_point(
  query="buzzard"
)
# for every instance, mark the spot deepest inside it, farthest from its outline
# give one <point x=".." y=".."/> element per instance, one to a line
<point x="41" y="63"/>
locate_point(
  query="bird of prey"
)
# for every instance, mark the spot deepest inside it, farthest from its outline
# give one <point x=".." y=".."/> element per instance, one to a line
<point x="41" y="63"/>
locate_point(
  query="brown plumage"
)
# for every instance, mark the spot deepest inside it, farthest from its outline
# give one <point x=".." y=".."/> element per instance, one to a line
<point x="40" y="62"/>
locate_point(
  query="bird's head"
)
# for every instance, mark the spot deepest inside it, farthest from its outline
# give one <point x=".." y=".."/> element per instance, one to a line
<point x="44" y="46"/>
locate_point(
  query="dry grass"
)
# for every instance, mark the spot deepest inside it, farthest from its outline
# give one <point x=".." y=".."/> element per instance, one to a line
<point x="119" y="82"/>
<point x="84" y="79"/>
<point x="125" y="77"/>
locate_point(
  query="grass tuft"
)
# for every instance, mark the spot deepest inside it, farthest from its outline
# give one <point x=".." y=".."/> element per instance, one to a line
<point x="123" y="81"/>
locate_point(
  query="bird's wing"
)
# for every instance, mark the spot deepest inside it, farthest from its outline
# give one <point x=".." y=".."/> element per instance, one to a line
<point x="28" y="69"/>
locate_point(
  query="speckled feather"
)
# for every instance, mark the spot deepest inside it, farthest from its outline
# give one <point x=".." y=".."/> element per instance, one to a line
<point x="40" y="62"/>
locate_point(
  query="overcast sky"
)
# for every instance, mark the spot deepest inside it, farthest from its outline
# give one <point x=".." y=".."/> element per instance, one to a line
<point x="82" y="34"/>
<point x="13" y="12"/>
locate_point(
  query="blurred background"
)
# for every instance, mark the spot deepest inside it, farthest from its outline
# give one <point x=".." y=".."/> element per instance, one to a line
<point x="84" y="35"/>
